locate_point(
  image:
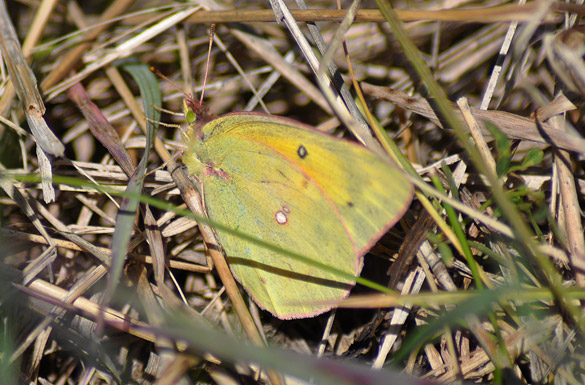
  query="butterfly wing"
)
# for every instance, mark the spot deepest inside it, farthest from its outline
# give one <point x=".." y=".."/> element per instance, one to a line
<point x="302" y="190"/>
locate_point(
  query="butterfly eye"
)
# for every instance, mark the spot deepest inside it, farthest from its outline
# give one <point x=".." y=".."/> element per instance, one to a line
<point x="190" y="115"/>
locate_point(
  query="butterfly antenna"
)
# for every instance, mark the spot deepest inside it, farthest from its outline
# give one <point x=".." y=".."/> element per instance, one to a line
<point x="162" y="76"/>
<point x="211" y="34"/>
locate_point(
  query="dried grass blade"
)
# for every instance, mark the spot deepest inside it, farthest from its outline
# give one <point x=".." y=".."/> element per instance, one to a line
<point x="25" y="84"/>
<point x="100" y="127"/>
<point x="73" y="56"/>
<point x="514" y="126"/>
<point x="122" y="50"/>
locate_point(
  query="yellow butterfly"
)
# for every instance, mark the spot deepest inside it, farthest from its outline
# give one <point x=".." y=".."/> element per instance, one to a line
<point x="289" y="185"/>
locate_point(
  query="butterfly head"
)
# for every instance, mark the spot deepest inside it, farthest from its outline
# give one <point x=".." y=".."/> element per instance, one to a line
<point x="197" y="115"/>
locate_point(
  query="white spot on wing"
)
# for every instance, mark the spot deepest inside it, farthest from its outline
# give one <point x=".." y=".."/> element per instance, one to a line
<point x="281" y="217"/>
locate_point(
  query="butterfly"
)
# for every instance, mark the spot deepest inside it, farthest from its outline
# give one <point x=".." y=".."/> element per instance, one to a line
<point x="302" y="190"/>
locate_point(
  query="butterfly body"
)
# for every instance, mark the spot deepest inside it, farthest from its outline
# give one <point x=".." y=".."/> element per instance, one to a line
<point x="302" y="190"/>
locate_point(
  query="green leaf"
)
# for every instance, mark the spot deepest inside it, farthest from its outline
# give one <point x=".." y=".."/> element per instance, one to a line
<point x="532" y="158"/>
<point x="152" y="100"/>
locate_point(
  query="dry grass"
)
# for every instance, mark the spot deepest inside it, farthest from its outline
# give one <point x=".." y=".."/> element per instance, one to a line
<point x="486" y="266"/>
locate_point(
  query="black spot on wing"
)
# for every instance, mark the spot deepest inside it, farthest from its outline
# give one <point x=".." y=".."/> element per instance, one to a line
<point x="302" y="152"/>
